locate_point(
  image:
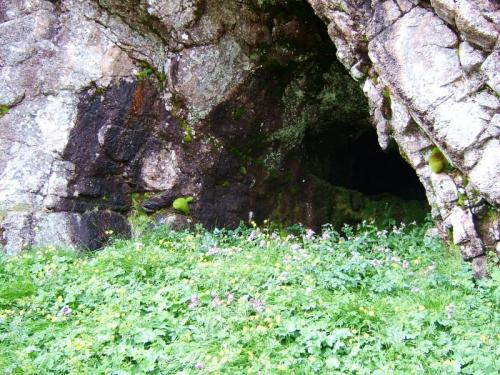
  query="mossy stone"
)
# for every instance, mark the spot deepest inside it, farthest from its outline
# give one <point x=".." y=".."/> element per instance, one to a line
<point x="182" y="204"/>
<point x="437" y="161"/>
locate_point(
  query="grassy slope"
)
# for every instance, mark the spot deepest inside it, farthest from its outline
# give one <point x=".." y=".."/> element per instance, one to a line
<point x="364" y="301"/>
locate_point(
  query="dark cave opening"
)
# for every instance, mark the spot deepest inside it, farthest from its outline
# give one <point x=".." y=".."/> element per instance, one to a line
<point x="339" y="144"/>
<point x="324" y="144"/>
<point x="352" y="158"/>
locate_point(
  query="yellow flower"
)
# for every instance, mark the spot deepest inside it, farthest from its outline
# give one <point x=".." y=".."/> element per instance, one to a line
<point x="371" y="313"/>
<point x="281" y="367"/>
<point x="397" y="309"/>
<point x="421" y="308"/>
<point x="483" y="338"/>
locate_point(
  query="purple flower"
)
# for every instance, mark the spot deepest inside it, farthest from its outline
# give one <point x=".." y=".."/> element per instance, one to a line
<point x="325" y="236"/>
<point x="310" y="234"/>
<point x="376" y="263"/>
<point x="194" y="301"/>
<point x="257" y="305"/>
<point x="65" y="311"/>
<point x="406" y="264"/>
<point x="216" y="301"/>
<point x="252" y="236"/>
<point x="213" y="251"/>
<point x="415" y="289"/>
<point x="450" y="310"/>
<point x="229" y="297"/>
<point x="262" y="243"/>
<point x="199" y="366"/>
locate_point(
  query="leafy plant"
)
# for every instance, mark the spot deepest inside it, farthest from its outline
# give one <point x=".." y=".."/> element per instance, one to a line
<point x="364" y="300"/>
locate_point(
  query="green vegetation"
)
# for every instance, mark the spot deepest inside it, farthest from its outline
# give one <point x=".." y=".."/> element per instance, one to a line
<point x="4" y="109"/>
<point x="358" y="301"/>
<point x="239" y="112"/>
<point x="387" y="103"/>
<point x="182" y="204"/>
<point x="148" y="71"/>
<point x="437" y="161"/>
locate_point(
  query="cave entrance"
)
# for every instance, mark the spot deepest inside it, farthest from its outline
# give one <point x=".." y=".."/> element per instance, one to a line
<point x="350" y="156"/>
<point x="326" y="146"/>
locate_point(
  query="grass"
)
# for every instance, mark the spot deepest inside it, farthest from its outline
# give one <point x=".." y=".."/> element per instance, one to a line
<point x="250" y="301"/>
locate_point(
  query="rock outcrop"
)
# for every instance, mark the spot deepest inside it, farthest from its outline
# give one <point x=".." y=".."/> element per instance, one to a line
<point x="104" y="99"/>
<point x="430" y="72"/>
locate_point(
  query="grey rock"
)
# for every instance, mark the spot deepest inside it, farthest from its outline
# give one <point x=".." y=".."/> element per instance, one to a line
<point x="172" y="220"/>
<point x="470" y="58"/>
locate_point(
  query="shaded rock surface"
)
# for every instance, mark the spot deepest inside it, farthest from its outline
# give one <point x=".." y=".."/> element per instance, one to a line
<point x="228" y="102"/>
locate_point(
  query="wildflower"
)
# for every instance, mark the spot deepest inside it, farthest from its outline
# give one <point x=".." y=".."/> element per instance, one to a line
<point x="376" y="263"/>
<point x="483" y="338"/>
<point x="395" y="259"/>
<point x="216" y="301"/>
<point x="262" y="243"/>
<point x="252" y="236"/>
<point x="310" y="234"/>
<point x="325" y="236"/>
<point x="66" y="310"/>
<point x="450" y="310"/>
<point x="295" y="247"/>
<point x="213" y="251"/>
<point x="406" y="264"/>
<point x="229" y="297"/>
<point x="194" y="301"/>
<point x="415" y="289"/>
<point x="199" y="366"/>
<point x="257" y="305"/>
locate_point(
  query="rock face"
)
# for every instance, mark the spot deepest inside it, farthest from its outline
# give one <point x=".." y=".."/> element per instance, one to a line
<point x="104" y="99"/>
<point x="431" y="76"/>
